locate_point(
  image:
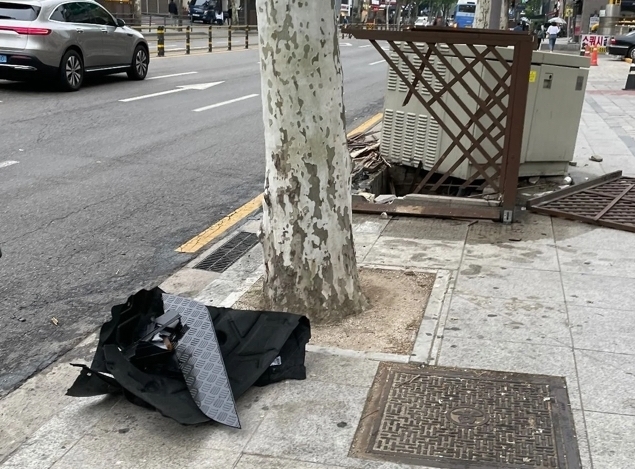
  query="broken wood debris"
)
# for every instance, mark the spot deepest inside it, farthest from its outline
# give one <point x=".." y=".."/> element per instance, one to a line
<point x="364" y="149"/>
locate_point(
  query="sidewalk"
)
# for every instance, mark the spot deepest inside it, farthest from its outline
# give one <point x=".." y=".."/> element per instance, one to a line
<point x="543" y="296"/>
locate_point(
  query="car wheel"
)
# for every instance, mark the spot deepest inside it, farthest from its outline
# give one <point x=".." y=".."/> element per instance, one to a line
<point x="139" y="67"/>
<point x="631" y="54"/>
<point x="71" y="71"/>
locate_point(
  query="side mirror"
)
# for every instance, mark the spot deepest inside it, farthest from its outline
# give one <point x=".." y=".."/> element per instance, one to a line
<point x="120" y="23"/>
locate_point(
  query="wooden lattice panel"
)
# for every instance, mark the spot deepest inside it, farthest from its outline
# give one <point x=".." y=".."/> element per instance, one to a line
<point x="608" y="201"/>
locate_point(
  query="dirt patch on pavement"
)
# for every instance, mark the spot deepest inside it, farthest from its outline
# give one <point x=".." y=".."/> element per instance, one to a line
<point x="396" y="302"/>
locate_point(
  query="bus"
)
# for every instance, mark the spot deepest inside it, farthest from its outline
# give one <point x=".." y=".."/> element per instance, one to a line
<point x="464" y="13"/>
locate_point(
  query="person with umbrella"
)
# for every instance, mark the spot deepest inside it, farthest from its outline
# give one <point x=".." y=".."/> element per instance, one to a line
<point x="552" y="34"/>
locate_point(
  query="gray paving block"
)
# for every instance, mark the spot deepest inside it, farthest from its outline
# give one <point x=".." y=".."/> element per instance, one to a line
<point x="102" y="456"/>
<point x="54" y="439"/>
<point x="501" y="282"/>
<point x="363" y="244"/>
<point x="599" y="291"/>
<point x="583" y="439"/>
<point x="250" y="461"/>
<point x="503" y="319"/>
<point x="313" y="421"/>
<point x="604" y="330"/>
<point x="540" y="254"/>
<point x="427" y="228"/>
<point x="415" y="253"/>
<point x="340" y="370"/>
<point x="607" y="381"/>
<point x="611" y="440"/>
<point x="371" y="224"/>
<point x="145" y="439"/>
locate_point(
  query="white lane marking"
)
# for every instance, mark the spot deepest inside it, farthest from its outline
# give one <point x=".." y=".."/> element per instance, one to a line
<point x="171" y="75"/>
<point x="378" y="62"/>
<point x="4" y="164"/>
<point x="200" y="86"/>
<point x="242" y="98"/>
<point x="346" y="44"/>
<point x="367" y="45"/>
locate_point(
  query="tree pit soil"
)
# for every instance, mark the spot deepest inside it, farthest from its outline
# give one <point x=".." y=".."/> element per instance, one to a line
<point x="396" y="302"/>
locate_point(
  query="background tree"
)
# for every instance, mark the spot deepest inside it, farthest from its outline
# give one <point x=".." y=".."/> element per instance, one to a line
<point x="235" y="6"/>
<point x="481" y="17"/>
<point x="306" y="231"/>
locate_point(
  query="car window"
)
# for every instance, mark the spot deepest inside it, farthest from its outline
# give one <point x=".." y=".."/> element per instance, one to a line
<point x="101" y="16"/>
<point x="18" y="11"/>
<point x="88" y="13"/>
<point x="62" y="14"/>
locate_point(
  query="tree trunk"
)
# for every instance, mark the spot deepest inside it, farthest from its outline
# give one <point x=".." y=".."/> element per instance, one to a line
<point x="481" y="16"/>
<point x="504" y="22"/>
<point x="136" y="12"/>
<point x="310" y="265"/>
<point x="235" y="4"/>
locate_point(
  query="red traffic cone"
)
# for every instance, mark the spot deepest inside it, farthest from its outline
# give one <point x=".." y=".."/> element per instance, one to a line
<point x="587" y="51"/>
<point x="594" y="57"/>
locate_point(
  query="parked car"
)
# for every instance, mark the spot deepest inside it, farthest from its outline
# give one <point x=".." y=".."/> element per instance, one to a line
<point x="623" y="46"/>
<point x="206" y="11"/>
<point x="66" y="40"/>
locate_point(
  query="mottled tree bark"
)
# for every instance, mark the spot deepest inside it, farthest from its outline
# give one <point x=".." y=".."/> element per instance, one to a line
<point x="235" y="4"/>
<point x="136" y="12"/>
<point x="310" y="265"/>
<point x="481" y="16"/>
<point x="504" y="21"/>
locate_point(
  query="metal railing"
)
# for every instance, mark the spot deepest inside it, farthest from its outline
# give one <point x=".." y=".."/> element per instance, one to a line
<point x="199" y="38"/>
<point x="150" y="21"/>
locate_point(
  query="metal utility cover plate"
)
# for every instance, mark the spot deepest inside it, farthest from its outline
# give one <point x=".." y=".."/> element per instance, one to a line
<point x="468" y="419"/>
<point x="201" y="362"/>
<point x="223" y="257"/>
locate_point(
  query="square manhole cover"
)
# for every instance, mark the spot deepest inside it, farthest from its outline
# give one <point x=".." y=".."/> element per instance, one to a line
<point x="468" y="419"/>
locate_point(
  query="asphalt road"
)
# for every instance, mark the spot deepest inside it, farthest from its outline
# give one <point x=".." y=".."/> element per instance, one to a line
<point x="96" y="194"/>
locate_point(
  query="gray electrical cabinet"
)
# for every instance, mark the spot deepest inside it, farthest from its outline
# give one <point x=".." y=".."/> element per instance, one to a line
<point x="557" y="83"/>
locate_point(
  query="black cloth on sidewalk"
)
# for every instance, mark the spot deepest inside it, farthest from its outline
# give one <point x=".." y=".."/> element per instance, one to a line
<point x="257" y="347"/>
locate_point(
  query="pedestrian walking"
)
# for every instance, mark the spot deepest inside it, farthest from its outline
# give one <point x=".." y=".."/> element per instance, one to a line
<point x="552" y="34"/>
<point x="229" y="16"/>
<point x="540" y="35"/>
<point x="174" y="12"/>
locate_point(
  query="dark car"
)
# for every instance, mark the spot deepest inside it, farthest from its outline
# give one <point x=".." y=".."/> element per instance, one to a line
<point x="206" y="11"/>
<point x="623" y="46"/>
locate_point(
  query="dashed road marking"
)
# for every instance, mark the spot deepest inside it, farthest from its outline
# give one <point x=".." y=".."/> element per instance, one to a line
<point x="378" y="62"/>
<point x="231" y="101"/>
<point x="171" y="75"/>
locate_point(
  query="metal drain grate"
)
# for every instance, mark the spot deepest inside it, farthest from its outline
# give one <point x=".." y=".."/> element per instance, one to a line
<point x="221" y="259"/>
<point x="467" y="419"/>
